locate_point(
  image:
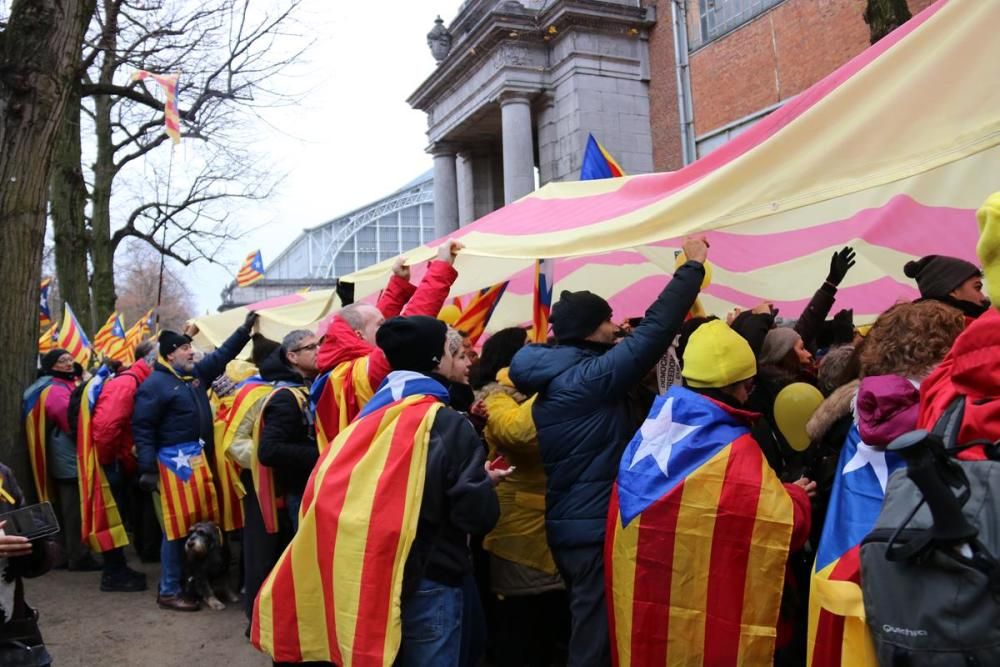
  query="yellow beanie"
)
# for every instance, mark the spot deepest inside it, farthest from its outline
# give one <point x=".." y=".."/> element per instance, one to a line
<point x="716" y="356"/>
<point x="989" y="245"/>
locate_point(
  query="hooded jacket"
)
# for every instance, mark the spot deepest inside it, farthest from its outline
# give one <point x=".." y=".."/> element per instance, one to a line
<point x="582" y="412"/>
<point x="170" y="410"/>
<point x="970" y="370"/>
<point x="112" y="421"/>
<point x="287" y="438"/>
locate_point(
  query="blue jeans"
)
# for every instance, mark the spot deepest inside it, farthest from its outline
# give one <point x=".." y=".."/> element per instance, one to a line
<point x="171" y="566"/>
<point x="432" y="626"/>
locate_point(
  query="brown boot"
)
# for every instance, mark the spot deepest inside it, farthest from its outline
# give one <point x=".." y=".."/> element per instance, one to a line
<point x="176" y="603"/>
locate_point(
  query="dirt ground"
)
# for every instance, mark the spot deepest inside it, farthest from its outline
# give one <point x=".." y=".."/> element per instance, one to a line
<point x="83" y="626"/>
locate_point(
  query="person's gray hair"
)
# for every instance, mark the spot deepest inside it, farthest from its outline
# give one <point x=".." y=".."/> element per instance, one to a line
<point x="353" y="315"/>
<point x="293" y="338"/>
<point x="453" y="341"/>
<point x="778" y="343"/>
<point x="144" y="348"/>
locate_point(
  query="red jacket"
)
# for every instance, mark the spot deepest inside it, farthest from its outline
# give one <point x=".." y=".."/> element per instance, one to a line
<point x="972" y="370"/>
<point x="342" y="344"/>
<point x="111" y="424"/>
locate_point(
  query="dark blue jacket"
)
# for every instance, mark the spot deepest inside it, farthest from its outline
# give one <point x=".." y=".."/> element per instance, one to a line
<point x="582" y="413"/>
<point x="169" y="411"/>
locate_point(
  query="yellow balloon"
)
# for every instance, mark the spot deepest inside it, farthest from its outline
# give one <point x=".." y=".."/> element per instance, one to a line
<point x="708" y="269"/>
<point x="793" y="407"/>
<point x="449" y="314"/>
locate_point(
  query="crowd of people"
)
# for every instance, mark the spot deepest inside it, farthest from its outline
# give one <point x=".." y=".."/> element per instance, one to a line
<point x="400" y="497"/>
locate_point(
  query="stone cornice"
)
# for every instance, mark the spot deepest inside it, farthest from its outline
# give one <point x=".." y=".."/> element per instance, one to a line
<point x="488" y="28"/>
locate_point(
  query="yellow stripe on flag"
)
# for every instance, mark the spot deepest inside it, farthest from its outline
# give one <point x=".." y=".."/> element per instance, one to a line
<point x="626" y="549"/>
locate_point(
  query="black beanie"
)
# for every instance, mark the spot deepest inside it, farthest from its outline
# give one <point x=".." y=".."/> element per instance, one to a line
<point x="578" y="314"/>
<point x="414" y="343"/>
<point x="50" y="358"/>
<point x="170" y="341"/>
<point x="938" y="275"/>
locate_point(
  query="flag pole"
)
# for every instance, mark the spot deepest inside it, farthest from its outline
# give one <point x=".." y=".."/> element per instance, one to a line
<point x="163" y="243"/>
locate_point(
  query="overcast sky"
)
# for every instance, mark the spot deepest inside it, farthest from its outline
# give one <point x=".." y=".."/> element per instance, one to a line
<point x="352" y="140"/>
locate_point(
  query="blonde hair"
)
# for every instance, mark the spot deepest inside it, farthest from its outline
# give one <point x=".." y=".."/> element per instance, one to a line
<point x="910" y="339"/>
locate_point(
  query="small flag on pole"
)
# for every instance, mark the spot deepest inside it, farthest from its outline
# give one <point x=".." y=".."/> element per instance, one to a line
<point x="105" y="334"/>
<point x="139" y="330"/>
<point x="598" y="163"/>
<point x="541" y="305"/>
<point x="251" y="271"/>
<point x="171" y="116"/>
<point x="49" y="339"/>
<point x="72" y="337"/>
<point x="44" y="314"/>
<point x="476" y="315"/>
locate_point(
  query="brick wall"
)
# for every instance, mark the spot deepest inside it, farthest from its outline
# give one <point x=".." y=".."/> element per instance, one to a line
<point x="773" y="57"/>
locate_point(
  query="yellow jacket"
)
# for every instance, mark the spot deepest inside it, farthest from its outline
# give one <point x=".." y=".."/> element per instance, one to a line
<point x="519" y="535"/>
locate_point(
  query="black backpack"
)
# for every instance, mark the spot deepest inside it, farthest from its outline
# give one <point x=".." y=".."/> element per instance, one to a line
<point x="929" y="568"/>
<point x="73" y="411"/>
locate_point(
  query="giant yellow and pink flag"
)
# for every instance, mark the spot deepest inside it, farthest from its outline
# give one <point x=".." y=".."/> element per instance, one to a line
<point x="892" y="153"/>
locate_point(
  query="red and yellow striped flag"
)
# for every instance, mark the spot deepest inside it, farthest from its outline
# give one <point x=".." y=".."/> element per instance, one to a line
<point x="33" y="414"/>
<point x="171" y="116"/>
<point x="187" y="490"/>
<point x="139" y="330"/>
<point x="337" y="397"/>
<point x="44" y="312"/>
<point x="252" y="270"/>
<point x="263" y="476"/>
<point x="476" y="315"/>
<point x="359" y="519"/>
<point x="227" y="472"/>
<point x="541" y="302"/>
<point x="699" y="529"/>
<point x="73" y="339"/>
<point x="48" y="340"/>
<point x="101" y="526"/>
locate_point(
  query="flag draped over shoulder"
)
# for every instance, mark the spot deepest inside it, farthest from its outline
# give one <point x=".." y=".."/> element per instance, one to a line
<point x="337" y="397"/>
<point x="541" y="306"/>
<point x="101" y="525"/>
<point x="187" y="490"/>
<point x="838" y="635"/>
<point x="263" y="476"/>
<point x="227" y="473"/>
<point x="73" y="339"/>
<point x="598" y="163"/>
<point x="251" y="271"/>
<point x="476" y="315"/>
<point x="44" y="313"/>
<point x="698" y="536"/>
<point x="335" y="593"/>
<point x="33" y="414"/>
<point x="171" y="115"/>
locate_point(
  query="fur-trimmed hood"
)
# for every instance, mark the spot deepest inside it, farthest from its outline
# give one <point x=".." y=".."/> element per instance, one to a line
<point x="836" y="406"/>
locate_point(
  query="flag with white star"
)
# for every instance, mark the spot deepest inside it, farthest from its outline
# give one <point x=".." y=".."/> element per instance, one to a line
<point x="187" y="488"/>
<point x="837" y="631"/>
<point x="699" y="528"/>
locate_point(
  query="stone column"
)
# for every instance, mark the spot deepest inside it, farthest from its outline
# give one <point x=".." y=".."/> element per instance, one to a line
<point x="466" y="188"/>
<point x="518" y="146"/>
<point x="445" y="190"/>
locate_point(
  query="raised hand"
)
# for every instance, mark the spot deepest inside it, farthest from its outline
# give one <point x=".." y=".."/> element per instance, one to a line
<point x="840" y="264"/>
<point x="448" y="250"/>
<point x="401" y="269"/>
<point x="696" y="249"/>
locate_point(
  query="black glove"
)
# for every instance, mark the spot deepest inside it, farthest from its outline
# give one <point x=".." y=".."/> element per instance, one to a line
<point x="148" y="481"/>
<point x="840" y="264"/>
<point x="251" y="320"/>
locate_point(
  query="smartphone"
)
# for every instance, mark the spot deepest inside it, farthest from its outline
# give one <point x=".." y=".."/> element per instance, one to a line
<point x="32" y="521"/>
<point x="499" y="463"/>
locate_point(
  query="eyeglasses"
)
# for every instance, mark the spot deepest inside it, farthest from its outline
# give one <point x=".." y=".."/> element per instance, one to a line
<point x="311" y="346"/>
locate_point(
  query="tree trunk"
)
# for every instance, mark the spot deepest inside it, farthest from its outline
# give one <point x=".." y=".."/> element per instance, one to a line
<point x="884" y="16"/>
<point x="68" y="203"/>
<point x="39" y="54"/>
<point x="102" y="253"/>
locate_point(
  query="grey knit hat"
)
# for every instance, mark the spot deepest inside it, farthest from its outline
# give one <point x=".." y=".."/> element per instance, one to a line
<point x="778" y="343"/>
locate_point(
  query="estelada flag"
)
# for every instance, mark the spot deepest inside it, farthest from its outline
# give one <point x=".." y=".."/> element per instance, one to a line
<point x="104" y="334"/>
<point x="838" y="634"/>
<point x="171" y="114"/>
<point x="477" y="314"/>
<point x="227" y="474"/>
<point x="251" y="271"/>
<point x="112" y="341"/>
<point x="699" y="529"/>
<point x="263" y="476"/>
<point x="48" y="340"/>
<point x="34" y="417"/>
<point x="44" y="313"/>
<point x="337" y="397"/>
<point x="72" y="337"/>
<point x="541" y="302"/>
<point x="187" y="490"/>
<point x="101" y="525"/>
<point x="358" y="521"/>
<point x="597" y="162"/>
<point x="142" y="327"/>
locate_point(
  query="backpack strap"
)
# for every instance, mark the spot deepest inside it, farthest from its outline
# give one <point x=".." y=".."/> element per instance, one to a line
<point x="950" y="422"/>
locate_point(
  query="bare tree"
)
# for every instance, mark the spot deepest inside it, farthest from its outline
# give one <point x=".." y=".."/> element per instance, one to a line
<point x="138" y="288"/>
<point x="39" y="55"/>
<point x="229" y="57"/>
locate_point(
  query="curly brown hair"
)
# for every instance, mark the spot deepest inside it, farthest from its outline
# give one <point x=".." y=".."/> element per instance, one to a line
<point x="910" y="339"/>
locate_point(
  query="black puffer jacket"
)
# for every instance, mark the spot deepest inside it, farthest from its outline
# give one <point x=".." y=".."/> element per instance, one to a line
<point x="287" y="438"/>
<point x="458" y="501"/>
<point x="583" y="413"/>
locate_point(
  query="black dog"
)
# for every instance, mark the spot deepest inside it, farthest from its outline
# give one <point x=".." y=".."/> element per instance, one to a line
<point x="206" y="565"/>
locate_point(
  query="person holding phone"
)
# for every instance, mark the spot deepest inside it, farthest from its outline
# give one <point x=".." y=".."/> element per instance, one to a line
<point x="20" y="639"/>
